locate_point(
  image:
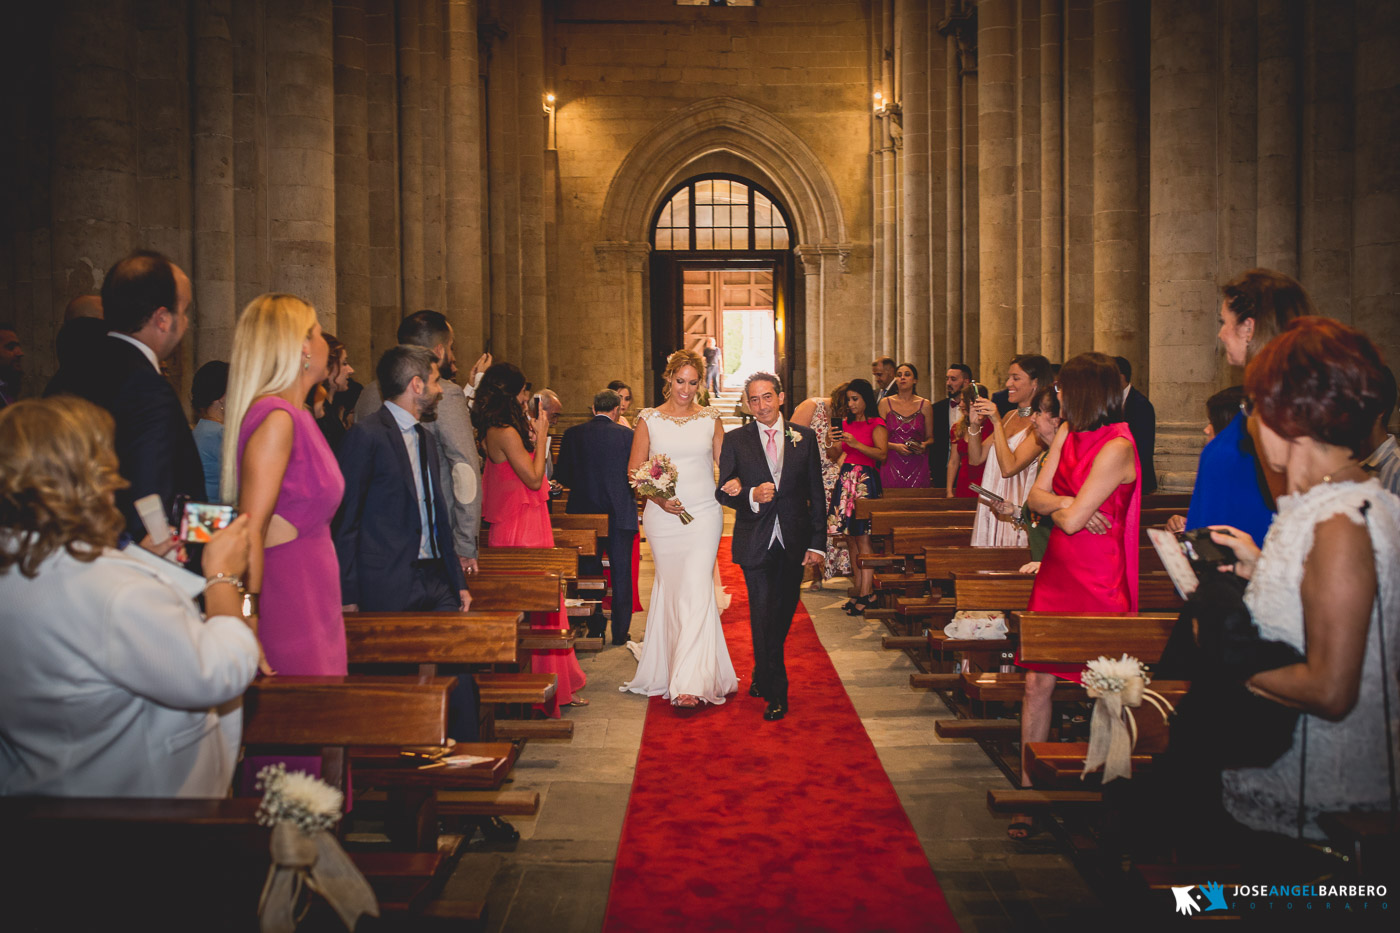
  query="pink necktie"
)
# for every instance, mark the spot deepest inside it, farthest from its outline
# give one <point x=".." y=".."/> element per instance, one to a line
<point x="772" y="445"/>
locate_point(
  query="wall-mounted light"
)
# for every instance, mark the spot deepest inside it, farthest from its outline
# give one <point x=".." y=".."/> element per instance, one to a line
<point x="549" y="104"/>
<point x="885" y="108"/>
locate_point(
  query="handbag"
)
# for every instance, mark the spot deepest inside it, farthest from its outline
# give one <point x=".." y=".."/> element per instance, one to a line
<point x="1217" y="647"/>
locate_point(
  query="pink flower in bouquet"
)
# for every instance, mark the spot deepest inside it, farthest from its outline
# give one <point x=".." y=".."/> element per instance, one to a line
<point x="657" y="471"/>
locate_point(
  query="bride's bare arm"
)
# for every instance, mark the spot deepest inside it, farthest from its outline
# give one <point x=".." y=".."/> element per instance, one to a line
<point x="719" y="439"/>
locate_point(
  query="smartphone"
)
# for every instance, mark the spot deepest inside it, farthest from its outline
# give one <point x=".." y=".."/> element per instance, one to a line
<point x="1197" y="545"/>
<point x="153" y="516"/>
<point x="202" y="519"/>
<point x="534" y="407"/>
<point x="985" y="493"/>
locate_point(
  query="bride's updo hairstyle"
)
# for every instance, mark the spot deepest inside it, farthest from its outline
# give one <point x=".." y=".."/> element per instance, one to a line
<point x="678" y="361"/>
<point x="497" y="404"/>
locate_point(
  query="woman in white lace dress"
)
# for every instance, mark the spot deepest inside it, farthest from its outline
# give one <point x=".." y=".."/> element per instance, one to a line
<point x="1011" y="458"/>
<point x="1327" y="582"/>
<point x="684" y="655"/>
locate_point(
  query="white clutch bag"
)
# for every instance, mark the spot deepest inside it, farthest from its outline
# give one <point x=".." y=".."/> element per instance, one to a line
<point x="977" y="625"/>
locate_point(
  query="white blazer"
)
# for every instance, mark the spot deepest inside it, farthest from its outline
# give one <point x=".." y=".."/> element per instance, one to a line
<point x="108" y="682"/>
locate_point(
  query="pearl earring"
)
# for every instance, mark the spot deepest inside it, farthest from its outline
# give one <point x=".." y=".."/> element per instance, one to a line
<point x="306" y="366"/>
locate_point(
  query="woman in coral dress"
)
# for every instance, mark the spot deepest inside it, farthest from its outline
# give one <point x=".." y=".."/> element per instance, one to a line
<point x="515" y="500"/>
<point x="1091" y="488"/>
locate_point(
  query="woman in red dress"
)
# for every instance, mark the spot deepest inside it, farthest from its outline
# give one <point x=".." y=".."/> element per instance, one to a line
<point x="1090" y="488"/>
<point x="515" y="500"/>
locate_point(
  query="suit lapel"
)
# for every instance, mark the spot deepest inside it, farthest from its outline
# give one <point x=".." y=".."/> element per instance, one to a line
<point x="400" y="453"/>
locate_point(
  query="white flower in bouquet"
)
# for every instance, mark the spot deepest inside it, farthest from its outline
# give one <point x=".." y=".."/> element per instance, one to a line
<point x="657" y="478"/>
<point x="296" y="797"/>
<point x="1124" y="675"/>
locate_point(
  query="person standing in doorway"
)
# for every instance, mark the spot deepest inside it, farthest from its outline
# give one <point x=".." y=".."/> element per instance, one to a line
<point x="714" y="367"/>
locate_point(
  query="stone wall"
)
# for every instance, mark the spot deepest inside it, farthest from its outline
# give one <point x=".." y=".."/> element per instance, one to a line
<point x="1046" y="175"/>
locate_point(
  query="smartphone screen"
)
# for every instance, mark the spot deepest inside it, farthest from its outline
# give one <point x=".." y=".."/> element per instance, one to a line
<point x="202" y="519"/>
<point x="534" y="406"/>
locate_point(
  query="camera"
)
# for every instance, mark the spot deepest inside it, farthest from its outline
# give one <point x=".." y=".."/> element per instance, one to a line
<point x="1198" y="547"/>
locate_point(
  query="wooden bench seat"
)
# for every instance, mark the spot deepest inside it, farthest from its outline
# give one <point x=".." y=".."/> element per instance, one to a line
<point x="489" y="803"/>
<point x="383" y="765"/>
<point x="942" y="681"/>
<point x="563" y="561"/>
<point x="524" y="689"/>
<point x="1024" y="799"/>
<point x="596" y="523"/>
<point x="1010" y="687"/>
<point x="977" y="728"/>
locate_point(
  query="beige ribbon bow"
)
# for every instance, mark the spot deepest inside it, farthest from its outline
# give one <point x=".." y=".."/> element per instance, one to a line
<point x="316" y="861"/>
<point x="1113" y="730"/>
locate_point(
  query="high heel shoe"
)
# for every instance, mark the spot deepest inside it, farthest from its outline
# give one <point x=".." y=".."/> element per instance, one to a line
<point x="860" y="604"/>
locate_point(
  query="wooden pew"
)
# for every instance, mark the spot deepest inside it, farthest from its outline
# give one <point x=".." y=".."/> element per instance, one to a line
<point x="524" y="591"/>
<point x="598" y="524"/>
<point x="919" y="492"/>
<point x="163" y="862"/>
<point x="580" y="539"/>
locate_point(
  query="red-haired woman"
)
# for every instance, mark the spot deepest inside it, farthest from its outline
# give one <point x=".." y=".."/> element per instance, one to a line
<point x="1327" y="582"/>
<point x="1090" y="487"/>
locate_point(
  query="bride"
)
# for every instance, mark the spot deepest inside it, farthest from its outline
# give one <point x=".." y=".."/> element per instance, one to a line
<point x="684" y="656"/>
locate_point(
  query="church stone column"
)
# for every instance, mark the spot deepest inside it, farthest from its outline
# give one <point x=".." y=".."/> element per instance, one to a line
<point x="503" y="189"/>
<point x="1079" y="177"/>
<point x="214" y="273"/>
<point x="996" y="186"/>
<point x="1182" y="271"/>
<point x="1280" y="108"/>
<point x="529" y="43"/>
<point x="1376" y="224"/>
<point x="953" y="205"/>
<point x="301" y="151"/>
<point x="352" y="262"/>
<point x="1117" y="321"/>
<point x="1028" y="143"/>
<point x="94" y="201"/>
<point x="462" y="180"/>
<point x="915" y="295"/>
<point x="1328" y="166"/>
<point x="410" y="65"/>
<point x="1052" y="217"/>
<point x="431" y="52"/>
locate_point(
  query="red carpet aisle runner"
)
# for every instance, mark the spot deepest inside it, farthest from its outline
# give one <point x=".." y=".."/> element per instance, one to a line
<point x="739" y="824"/>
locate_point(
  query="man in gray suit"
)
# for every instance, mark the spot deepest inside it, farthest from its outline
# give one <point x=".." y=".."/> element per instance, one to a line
<point x="459" y="464"/>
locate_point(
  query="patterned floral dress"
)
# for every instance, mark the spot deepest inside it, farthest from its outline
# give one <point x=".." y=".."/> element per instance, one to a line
<point x="838" y="559"/>
<point x="859" y="479"/>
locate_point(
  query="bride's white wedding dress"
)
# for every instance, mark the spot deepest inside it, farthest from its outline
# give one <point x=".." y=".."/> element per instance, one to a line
<point x="684" y="652"/>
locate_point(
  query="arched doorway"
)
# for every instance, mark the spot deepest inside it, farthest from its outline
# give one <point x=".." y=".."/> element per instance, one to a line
<point x="722" y="269"/>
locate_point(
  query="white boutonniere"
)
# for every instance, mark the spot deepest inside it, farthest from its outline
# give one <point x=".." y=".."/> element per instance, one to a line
<point x="793" y="437"/>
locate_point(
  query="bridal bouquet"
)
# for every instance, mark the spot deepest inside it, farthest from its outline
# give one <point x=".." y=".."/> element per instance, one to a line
<point x="657" y="478"/>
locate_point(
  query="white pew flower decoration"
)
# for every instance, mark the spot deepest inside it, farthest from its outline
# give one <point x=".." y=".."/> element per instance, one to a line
<point x="1118" y="687"/>
<point x="306" y="857"/>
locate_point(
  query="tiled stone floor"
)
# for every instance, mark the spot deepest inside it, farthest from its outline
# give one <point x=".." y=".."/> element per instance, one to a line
<point x="555" y="880"/>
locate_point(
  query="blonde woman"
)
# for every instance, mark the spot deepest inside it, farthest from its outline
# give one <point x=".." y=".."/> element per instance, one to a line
<point x="280" y="472"/>
<point x="684" y="657"/>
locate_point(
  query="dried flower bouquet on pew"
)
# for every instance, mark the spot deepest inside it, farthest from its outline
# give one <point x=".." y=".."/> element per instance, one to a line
<point x="301" y="810"/>
<point x="1118" y="687"/>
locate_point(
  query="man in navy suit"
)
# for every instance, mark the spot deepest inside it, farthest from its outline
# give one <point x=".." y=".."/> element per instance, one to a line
<point x="392" y="534"/>
<point x="146" y="299"/>
<point x="773" y="481"/>
<point x="593" y="465"/>
<point x="1141" y="416"/>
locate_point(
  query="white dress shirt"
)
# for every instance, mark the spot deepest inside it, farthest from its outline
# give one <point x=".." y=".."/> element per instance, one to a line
<point x="407" y="423"/>
<point x="775" y="467"/>
<point x="145" y="350"/>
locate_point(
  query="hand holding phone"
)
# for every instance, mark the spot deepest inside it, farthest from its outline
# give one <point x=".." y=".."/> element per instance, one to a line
<point x="985" y="493"/>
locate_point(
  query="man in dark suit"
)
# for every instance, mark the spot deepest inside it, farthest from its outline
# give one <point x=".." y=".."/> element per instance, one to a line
<point x="882" y="373"/>
<point x="146" y="299"/>
<point x="593" y="465"/>
<point x="392" y="533"/>
<point x="1141" y="416"/>
<point x="773" y="481"/>
<point x="11" y="364"/>
<point x="945" y="415"/>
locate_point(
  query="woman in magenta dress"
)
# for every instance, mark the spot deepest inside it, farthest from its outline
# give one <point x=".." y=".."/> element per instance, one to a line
<point x="279" y="471"/>
<point x="962" y="473"/>
<point x="515" y="500"/>
<point x="909" y="419"/>
<point x="1090" y="487"/>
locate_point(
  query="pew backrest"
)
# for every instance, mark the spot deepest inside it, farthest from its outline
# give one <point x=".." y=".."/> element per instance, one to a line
<point x="358" y="709"/>
<point x="475" y="637"/>
<point x="1075" y="638"/>
<point x="598" y="524"/>
<point x="560" y="560"/>
<point x="583" y="540"/>
<point x="518" y="591"/>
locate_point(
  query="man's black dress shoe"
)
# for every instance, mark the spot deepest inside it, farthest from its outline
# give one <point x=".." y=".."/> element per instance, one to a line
<point x="775" y="711"/>
<point x="621" y="641"/>
<point x="754" y="691"/>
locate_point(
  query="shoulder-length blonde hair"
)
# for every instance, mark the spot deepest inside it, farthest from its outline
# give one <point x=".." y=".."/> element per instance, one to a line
<point x="58" y="482"/>
<point x="267" y="360"/>
<point x="678" y="361"/>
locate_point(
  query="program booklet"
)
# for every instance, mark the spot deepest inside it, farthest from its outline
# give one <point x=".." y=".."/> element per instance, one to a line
<point x="1174" y="559"/>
